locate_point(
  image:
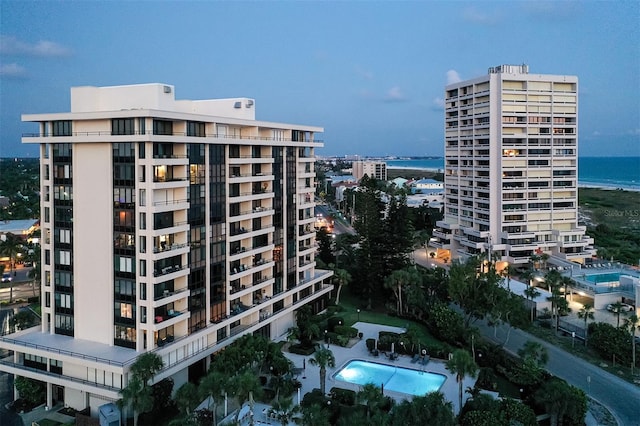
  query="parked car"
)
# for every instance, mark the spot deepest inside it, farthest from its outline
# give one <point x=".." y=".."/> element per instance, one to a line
<point x="623" y="308"/>
<point x="28" y="264"/>
<point x="6" y="277"/>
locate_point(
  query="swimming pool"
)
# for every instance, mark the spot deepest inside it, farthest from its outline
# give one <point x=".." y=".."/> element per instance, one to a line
<point x="396" y="379"/>
<point x="603" y="278"/>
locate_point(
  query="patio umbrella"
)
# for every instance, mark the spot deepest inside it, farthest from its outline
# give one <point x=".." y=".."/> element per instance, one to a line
<point x="382" y="388"/>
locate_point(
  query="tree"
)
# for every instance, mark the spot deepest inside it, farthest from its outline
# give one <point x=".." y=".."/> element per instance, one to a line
<point x="617" y="310"/>
<point x="146" y="366"/>
<point x="284" y="410"/>
<point x="372" y="397"/>
<point x="396" y="281"/>
<point x="35" y="272"/>
<point x="137" y="396"/>
<point x="23" y="320"/>
<point x="243" y="386"/>
<point x="324" y="246"/>
<point x="314" y="415"/>
<point x="507" y="273"/>
<point x="586" y="313"/>
<point x="10" y="247"/>
<point x="343" y="278"/>
<point x="187" y="398"/>
<point x="323" y="358"/>
<point x="531" y="293"/>
<point x="565" y="404"/>
<point x="473" y="285"/>
<point x="534" y="358"/>
<point x="212" y="386"/>
<point x="461" y="364"/>
<point x="633" y="324"/>
<point x="32" y="391"/>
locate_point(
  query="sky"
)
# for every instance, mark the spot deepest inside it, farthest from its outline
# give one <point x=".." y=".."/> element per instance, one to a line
<point x="371" y="73"/>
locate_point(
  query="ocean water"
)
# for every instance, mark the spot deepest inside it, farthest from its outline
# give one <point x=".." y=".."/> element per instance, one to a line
<point x="609" y="172"/>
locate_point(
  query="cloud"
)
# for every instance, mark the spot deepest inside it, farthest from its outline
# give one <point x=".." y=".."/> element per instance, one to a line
<point x="438" y="104"/>
<point x="394" y="94"/>
<point x="367" y="75"/>
<point x="44" y="48"/>
<point x="471" y="14"/>
<point x="12" y="71"/>
<point x="453" y="77"/>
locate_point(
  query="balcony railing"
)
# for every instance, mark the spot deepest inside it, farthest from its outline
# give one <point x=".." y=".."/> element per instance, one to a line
<point x="181" y="134"/>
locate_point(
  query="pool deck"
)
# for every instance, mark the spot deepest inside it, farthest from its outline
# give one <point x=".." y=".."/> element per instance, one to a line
<point x="310" y="378"/>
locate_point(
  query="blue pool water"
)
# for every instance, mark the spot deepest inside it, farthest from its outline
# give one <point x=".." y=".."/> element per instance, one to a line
<point x="396" y="379"/>
<point x="603" y="278"/>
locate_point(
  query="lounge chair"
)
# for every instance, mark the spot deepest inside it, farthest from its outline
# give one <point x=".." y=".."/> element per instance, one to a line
<point x="425" y="359"/>
<point x="415" y="359"/>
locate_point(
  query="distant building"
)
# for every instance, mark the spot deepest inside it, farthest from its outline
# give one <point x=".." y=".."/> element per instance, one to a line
<point x="20" y="228"/>
<point x="171" y="226"/>
<point x="373" y="169"/>
<point x="511" y="168"/>
<point x="426" y="185"/>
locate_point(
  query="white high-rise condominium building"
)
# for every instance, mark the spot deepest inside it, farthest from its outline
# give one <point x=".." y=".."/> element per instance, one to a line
<point x="511" y="168"/>
<point x="171" y="226"/>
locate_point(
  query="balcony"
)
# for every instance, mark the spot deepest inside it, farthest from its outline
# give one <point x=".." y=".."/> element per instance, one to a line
<point x="170" y="296"/>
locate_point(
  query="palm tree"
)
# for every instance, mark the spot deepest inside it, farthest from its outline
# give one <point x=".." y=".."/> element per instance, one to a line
<point x="531" y="293"/>
<point x="617" y="310"/>
<point x="461" y="364"/>
<point x="187" y="398"/>
<point x="243" y="386"/>
<point x="137" y="393"/>
<point x="343" y="278"/>
<point x="212" y="386"/>
<point x="10" y="247"/>
<point x="508" y="272"/>
<point x="35" y="272"/>
<point x="371" y="395"/>
<point x="553" y="395"/>
<point x="586" y="313"/>
<point x="146" y="366"/>
<point x="137" y="396"/>
<point x="314" y="415"/>
<point x="323" y="358"/>
<point x="534" y="352"/>
<point x="397" y="280"/>
<point x="566" y="282"/>
<point x="284" y="410"/>
<point x="633" y="324"/>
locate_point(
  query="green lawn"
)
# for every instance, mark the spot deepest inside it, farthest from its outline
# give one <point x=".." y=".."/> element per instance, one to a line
<point x="349" y="313"/>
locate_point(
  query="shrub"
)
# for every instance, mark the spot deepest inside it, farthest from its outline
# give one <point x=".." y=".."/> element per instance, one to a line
<point x="333" y="322"/>
<point x="347" y="331"/>
<point x="343" y="396"/>
<point x="301" y="350"/>
<point x="314" y="397"/>
<point x="609" y="341"/>
<point x="371" y="344"/>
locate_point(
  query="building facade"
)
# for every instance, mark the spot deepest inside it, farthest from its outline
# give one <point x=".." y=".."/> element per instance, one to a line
<point x="373" y="169"/>
<point x="168" y="225"/>
<point x="511" y="168"/>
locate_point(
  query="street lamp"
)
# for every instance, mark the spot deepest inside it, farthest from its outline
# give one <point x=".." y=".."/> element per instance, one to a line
<point x="358" y="311"/>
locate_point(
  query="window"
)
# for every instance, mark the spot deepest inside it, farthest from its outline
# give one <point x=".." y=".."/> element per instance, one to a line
<point x="61" y="128"/>
<point x="162" y="127"/>
<point x="126" y="310"/>
<point x="124" y="264"/>
<point x="63" y="257"/>
<point x="195" y="128"/>
<point x="143" y="291"/>
<point x="143" y="314"/>
<point x="122" y="126"/>
<point x="64" y="300"/>
<point x="141" y="131"/>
